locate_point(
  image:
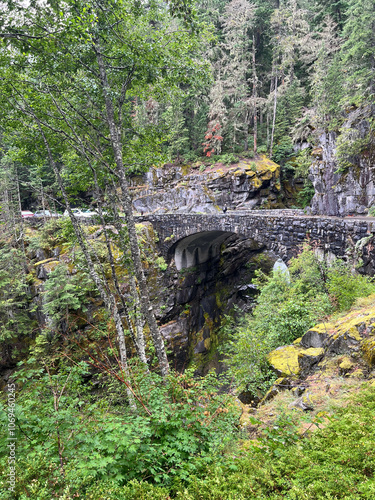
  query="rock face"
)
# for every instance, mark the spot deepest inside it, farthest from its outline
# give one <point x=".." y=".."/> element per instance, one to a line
<point x="350" y="190"/>
<point x="208" y="189"/>
<point x="345" y="347"/>
<point x="292" y="360"/>
<point x="352" y="337"/>
<point x="190" y="303"/>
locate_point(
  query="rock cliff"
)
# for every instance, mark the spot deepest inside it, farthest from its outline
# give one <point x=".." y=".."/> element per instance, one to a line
<point x="345" y="188"/>
<point x="209" y="188"/>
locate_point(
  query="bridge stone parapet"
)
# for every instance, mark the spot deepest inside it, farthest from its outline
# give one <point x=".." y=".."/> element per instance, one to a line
<point x="278" y="232"/>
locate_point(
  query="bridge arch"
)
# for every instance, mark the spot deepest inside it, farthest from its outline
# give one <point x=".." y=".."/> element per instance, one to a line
<point x="198" y="248"/>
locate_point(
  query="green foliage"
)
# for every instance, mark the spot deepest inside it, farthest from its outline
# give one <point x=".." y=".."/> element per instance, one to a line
<point x="336" y="462"/>
<point x="344" y="288"/>
<point x="64" y="293"/>
<point x="305" y="195"/>
<point x="282" y="150"/>
<point x="286" y="309"/>
<point x="180" y="426"/>
<point x="16" y="306"/>
<point x="228" y="158"/>
<point x="161" y="264"/>
<point x="350" y="144"/>
<point x="358" y="53"/>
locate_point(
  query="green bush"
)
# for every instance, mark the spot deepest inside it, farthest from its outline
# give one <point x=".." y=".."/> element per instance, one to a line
<point x="179" y="427"/>
<point x="286" y="309"/>
<point x="344" y="287"/>
<point x="336" y="462"/>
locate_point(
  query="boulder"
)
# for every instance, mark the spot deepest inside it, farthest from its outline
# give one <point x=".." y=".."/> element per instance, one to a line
<point x="316" y="336"/>
<point x="284" y="360"/>
<point x="303" y="403"/>
<point x="307" y="358"/>
<point x="200" y="188"/>
<point x="345" y="366"/>
<point x="280" y="385"/>
<point x="368" y="349"/>
<point x="293" y="360"/>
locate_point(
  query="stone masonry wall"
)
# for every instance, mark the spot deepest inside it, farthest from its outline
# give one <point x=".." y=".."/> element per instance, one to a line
<point x="280" y="233"/>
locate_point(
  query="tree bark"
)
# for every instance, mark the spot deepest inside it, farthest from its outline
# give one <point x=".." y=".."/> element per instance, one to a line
<point x="126" y="201"/>
<point x="255" y="83"/>
<point x="108" y="298"/>
<point x="274" y="115"/>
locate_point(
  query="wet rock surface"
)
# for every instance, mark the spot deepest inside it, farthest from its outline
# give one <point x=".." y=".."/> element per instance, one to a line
<point x="344" y="190"/>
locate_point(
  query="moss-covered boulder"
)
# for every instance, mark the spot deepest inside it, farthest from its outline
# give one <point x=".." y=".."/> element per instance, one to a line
<point x="46" y="266"/>
<point x="346" y="366"/>
<point x="316" y="336"/>
<point x="368" y="349"/>
<point x="284" y="360"/>
<point x="307" y="358"/>
<point x="350" y="335"/>
<point x="247" y="183"/>
<point x="293" y="360"/>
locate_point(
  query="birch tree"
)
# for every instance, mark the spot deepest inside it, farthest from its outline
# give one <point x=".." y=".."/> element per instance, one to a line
<point x="83" y="64"/>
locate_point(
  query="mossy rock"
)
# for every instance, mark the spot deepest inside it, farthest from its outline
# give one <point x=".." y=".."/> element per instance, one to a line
<point x="344" y="336"/>
<point x="284" y="360"/>
<point x="345" y="366"/>
<point x="308" y="358"/>
<point x="293" y="360"/>
<point x="368" y="349"/>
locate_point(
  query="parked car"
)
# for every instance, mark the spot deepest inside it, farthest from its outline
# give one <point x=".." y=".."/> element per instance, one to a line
<point x="26" y="213"/>
<point x="46" y="213"/>
<point x="78" y="212"/>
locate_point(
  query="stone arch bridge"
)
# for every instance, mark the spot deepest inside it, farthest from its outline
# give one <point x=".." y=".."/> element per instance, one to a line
<point x="192" y="239"/>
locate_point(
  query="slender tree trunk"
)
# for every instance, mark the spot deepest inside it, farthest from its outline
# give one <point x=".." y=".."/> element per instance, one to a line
<point x="139" y="346"/>
<point x="274" y="115"/>
<point x="43" y="201"/>
<point x="146" y="305"/>
<point x="137" y="313"/>
<point x="22" y="233"/>
<point x="108" y="298"/>
<point x="255" y="83"/>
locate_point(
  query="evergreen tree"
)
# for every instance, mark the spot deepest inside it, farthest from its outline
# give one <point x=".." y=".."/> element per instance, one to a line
<point x="358" y="53"/>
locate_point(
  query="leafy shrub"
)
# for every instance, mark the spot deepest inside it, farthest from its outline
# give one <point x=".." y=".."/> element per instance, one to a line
<point x="344" y="288"/>
<point x="286" y="309"/>
<point x="336" y="462"/>
<point x="64" y="293"/>
<point x="282" y="150"/>
<point x="179" y="427"/>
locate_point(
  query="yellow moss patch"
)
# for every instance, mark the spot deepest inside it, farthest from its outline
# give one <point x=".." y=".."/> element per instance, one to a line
<point x="207" y="343"/>
<point x="346" y="364"/>
<point x="257" y="183"/>
<point x="285" y="360"/>
<point x="42" y="262"/>
<point x="312" y="351"/>
<point x="185" y="169"/>
<point x="51" y="266"/>
<point x="323" y="328"/>
<point x="368" y="348"/>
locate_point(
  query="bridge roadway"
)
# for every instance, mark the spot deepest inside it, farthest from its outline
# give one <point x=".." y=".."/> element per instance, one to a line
<point x="192" y="238"/>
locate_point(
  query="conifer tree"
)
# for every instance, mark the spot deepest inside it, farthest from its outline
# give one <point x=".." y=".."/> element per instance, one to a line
<point x="358" y="52"/>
